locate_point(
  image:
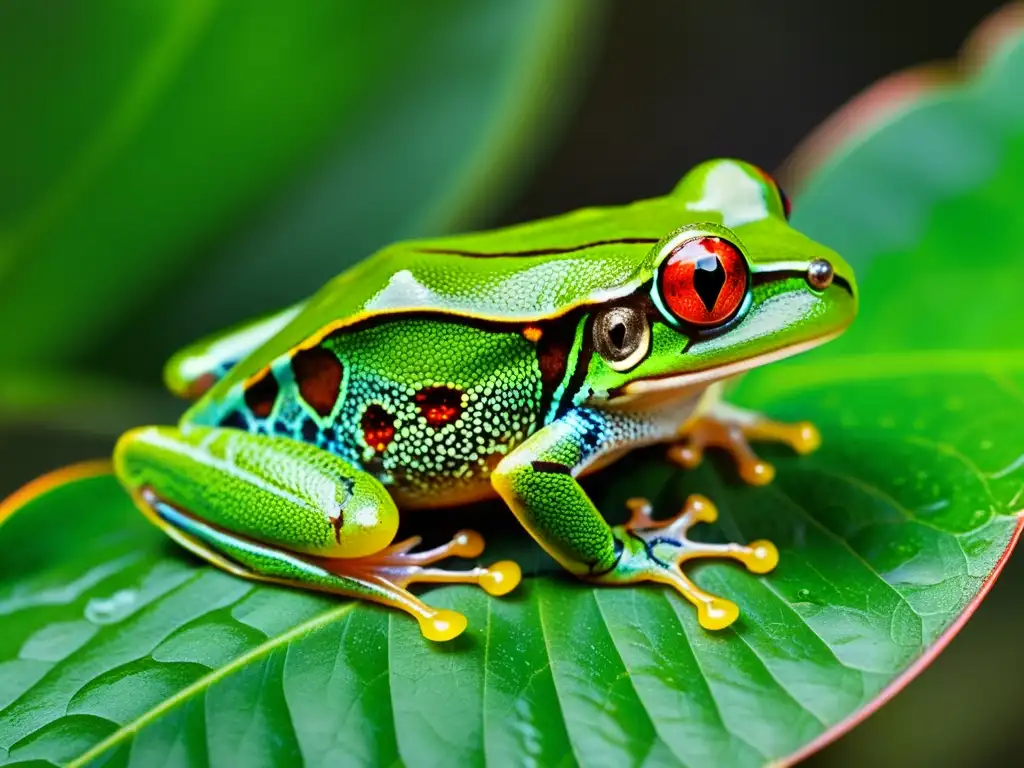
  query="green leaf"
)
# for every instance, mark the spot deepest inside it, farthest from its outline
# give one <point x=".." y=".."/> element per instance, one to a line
<point x="165" y="125"/>
<point x="888" y="536"/>
<point x="927" y="211"/>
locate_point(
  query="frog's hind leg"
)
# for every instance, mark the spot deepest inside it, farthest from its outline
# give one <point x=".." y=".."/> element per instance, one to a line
<point x="380" y="578"/>
<point x="197" y="367"/>
<point x="730" y="428"/>
<point x="276" y="510"/>
<point x="400" y="566"/>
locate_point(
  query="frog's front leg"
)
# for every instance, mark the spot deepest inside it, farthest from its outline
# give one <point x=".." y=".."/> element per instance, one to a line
<point x="722" y="425"/>
<point x="277" y="510"/>
<point x="538" y="481"/>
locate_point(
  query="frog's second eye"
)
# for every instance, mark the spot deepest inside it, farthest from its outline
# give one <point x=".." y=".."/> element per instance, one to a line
<point x="622" y="336"/>
<point x="787" y="207"/>
<point x="703" y="281"/>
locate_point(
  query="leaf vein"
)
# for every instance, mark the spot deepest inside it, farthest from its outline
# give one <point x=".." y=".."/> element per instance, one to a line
<point x="204" y="682"/>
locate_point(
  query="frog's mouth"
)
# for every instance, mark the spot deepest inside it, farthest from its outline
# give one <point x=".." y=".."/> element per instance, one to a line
<point x="705" y="376"/>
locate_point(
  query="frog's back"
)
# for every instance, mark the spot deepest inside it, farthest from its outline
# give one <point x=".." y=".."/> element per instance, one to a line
<point x="471" y="339"/>
<point x="513" y="275"/>
<point x="525" y="272"/>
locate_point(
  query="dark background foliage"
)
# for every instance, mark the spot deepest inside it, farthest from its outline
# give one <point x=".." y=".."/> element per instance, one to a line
<point x="677" y="82"/>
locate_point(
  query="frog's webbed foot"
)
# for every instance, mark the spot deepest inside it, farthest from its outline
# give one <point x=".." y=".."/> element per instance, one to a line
<point x="657" y="550"/>
<point x="381" y="577"/>
<point x="732" y="429"/>
<point x="395" y="568"/>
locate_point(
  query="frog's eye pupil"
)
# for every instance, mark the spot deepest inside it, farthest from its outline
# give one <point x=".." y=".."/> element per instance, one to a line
<point x="708" y="279"/>
<point x="622" y="336"/>
<point x="617" y="334"/>
<point x="703" y="281"/>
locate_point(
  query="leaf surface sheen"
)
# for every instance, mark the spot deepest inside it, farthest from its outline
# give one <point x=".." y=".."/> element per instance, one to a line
<point x="129" y="643"/>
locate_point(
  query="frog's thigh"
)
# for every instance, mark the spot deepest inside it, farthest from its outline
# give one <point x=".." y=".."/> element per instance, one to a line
<point x="274" y="509"/>
<point x="197" y="367"/>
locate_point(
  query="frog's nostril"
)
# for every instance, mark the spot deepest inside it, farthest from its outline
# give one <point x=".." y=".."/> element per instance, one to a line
<point x="820" y="274"/>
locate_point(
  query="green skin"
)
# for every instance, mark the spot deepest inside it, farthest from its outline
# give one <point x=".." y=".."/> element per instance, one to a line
<point x="442" y="371"/>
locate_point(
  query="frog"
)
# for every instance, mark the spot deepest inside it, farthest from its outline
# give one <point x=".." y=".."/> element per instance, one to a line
<point x="509" y="364"/>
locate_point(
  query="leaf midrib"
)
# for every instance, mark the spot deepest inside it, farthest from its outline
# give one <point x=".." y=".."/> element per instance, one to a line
<point x="260" y="651"/>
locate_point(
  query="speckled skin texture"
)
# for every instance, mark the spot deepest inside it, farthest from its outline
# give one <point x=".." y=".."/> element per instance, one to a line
<point x="439" y="372"/>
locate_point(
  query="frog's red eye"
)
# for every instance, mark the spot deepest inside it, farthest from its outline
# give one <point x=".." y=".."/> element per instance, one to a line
<point x="703" y="281"/>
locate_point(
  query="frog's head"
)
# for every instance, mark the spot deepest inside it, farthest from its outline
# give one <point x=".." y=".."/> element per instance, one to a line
<point x="733" y="287"/>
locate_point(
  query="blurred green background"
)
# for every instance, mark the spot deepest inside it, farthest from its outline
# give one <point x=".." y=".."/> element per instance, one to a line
<point x="172" y="168"/>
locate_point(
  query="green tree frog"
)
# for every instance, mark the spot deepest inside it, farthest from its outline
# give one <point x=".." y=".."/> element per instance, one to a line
<point x="443" y="371"/>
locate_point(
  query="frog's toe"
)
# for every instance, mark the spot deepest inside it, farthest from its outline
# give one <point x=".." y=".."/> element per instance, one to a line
<point x="501" y="578"/>
<point x="735" y="437"/>
<point x="666" y="548"/>
<point x="717" y="613"/>
<point x="802" y="436"/>
<point x="401" y="567"/>
<point x="442" y="625"/>
<point x="762" y="557"/>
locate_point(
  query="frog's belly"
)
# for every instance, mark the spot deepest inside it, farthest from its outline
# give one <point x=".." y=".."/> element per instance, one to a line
<point x="656" y="422"/>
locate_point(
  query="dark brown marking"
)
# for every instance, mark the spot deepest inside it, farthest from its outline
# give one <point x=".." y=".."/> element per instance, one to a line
<point x="234" y="420"/>
<point x="544" y="251"/>
<point x="318" y="374"/>
<point x="493" y="460"/>
<point x="200" y="386"/>
<point x="338" y="522"/>
<point x="378" y="427"/>
<point x="261" y="394"/>
<point x="553" y="351"/>
<point x="550" y="466"/>
<point x="439" y="405"/>
<point x="552" y="355"/>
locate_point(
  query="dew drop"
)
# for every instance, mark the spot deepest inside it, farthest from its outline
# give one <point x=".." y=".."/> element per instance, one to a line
<point x="110" y="610"/>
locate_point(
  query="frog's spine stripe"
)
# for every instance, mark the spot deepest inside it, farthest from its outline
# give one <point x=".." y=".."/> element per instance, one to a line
<point x="543" y="251"/>
<point x="318" y="374"/>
